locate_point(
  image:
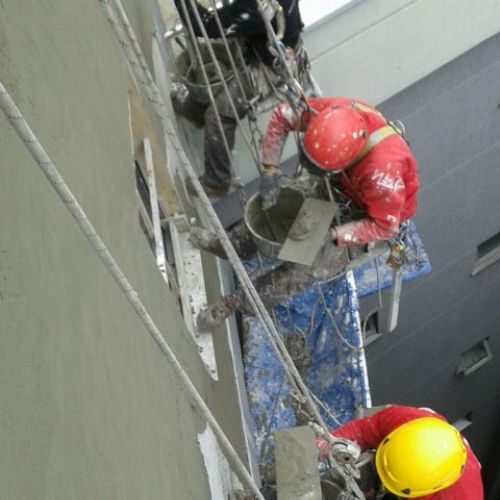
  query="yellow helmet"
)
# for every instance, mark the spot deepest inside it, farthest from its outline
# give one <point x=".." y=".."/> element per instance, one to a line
<point x="420" y="457"/>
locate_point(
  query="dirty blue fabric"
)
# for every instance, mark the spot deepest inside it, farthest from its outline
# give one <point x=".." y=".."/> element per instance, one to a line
<point x="331" y="336"/>
<point x="330" y="349"/>
<point x="367" y="281"/>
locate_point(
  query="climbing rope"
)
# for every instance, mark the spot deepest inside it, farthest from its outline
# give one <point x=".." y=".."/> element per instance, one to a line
<point x="283" y="60"/>
<point x="22" y="128"/>
<point x="151" y="91"/>
<point x="149" y="86"/>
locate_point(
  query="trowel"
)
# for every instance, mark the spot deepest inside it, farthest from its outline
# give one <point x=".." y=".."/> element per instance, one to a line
<point x="307" y="233"/>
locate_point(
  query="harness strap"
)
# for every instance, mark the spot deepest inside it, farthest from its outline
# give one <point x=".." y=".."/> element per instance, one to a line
<point x="375" y="137"/>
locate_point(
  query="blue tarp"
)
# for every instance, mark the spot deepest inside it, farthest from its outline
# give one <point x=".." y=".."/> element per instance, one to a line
<point x="367" y="281"/>
<point x="325" y="339"/>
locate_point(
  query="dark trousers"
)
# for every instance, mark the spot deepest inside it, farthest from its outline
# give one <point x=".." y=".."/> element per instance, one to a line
<point x="217" y="160"/>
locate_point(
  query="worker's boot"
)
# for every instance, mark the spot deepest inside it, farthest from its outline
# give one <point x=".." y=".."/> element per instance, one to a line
<point x="213" y="316"/>
<point x="206" y="240"/>
<point x="210" y="191"/>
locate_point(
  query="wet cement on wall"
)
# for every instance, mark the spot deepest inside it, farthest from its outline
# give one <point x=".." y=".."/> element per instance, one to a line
<point x="90" y="408"/>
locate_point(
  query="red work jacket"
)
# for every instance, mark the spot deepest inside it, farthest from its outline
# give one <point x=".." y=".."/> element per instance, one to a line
<point x="384" y="182"/>
<point x="370" y="431"/>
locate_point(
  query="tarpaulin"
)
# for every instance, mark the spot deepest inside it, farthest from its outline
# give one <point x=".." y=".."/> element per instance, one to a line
<point x="322" y="332"/>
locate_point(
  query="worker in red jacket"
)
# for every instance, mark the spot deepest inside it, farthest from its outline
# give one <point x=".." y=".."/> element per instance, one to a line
<point x="374" y="165"/>
<point x="350" y="145"/>
<point x="418" y="454"/>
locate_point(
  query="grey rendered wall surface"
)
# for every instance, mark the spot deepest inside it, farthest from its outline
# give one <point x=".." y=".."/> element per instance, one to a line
<point x="90" y="409"/>
<point x="453" y="123"/>
<point x="373" y="49"/>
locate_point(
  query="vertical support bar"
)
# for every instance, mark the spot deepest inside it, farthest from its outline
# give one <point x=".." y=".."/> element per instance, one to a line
<point x="192" y="287"/>
<point x="397" y="279"/>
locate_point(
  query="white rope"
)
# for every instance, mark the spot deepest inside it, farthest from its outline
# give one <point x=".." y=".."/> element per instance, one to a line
<point x="253" y="297"/>
<point x="208" y="86"/>
<point x="22" y="128"/>
<point x="220" y="74"/>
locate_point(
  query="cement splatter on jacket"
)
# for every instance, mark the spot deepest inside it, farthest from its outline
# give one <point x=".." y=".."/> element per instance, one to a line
<point x="242" y="18"/>
<point x="384" y="183"/>
<point x="370" y="431"/>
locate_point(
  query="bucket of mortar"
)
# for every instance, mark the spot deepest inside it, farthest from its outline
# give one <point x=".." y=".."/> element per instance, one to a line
<point x="191" y="75"/>
<point x="269" y="231"/>
<point x="330" y="490"/>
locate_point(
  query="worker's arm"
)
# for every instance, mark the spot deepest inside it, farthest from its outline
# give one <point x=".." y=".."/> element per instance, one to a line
<point x="383" y="196"/>
<point x="285" y="119"/>
<point x="370" y="431"/>
<point x="240" y="18"/>
<point x="366" y="432"/>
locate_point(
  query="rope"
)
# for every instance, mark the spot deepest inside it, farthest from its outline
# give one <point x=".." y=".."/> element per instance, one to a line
<point x="334" y="323"/>
<point x="22" y="128"/>
<point x="230" y="54"/>
<point x="219" y="73"/>
<point x="239" y="186"/>
<point x="252" y="112"/>
<point x="256" y="303"/>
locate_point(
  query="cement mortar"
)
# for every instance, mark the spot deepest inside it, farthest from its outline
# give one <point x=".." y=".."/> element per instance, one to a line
<point x="297" y="475"/>
<point x="269" y="228"/>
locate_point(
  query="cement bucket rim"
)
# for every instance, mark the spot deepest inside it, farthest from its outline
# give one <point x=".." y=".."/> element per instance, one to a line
<point x="268" y="247"/>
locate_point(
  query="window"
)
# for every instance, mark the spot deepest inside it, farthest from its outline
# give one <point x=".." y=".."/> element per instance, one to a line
<point x="370" y="328"/>
<point x="462" y="423"/>
<point x="150" y="212"/>
<point x="488" y="252"/>
<point x="475" y="357"/>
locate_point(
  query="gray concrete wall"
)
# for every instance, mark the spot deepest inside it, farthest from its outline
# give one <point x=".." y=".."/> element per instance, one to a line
<point x="90" y="408"/>
<point x="373" y="49"/>
<point x="453" y="122"/>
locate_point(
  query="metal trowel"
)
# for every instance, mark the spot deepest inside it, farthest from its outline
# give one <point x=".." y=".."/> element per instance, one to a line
<point x="307" y="233"/>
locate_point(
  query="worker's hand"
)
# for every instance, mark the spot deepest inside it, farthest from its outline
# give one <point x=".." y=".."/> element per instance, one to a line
<point x="334" y="235"/>
<point x="269" y="188"/>
<point x="323" y="448"/>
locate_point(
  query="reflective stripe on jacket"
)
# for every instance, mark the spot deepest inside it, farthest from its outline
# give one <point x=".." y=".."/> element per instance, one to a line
<point x="384" y="183"/>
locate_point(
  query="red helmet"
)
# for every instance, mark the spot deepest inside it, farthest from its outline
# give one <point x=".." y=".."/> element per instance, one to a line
<point x="335" y="137"/>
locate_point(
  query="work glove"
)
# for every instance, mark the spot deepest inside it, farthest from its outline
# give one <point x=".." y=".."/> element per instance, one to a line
<point x="323" y="447"/>
<point x="269" y="188"/>
<point x="334" y="235"/>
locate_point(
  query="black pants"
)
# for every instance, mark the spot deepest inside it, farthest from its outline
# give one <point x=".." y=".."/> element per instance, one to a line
<point x="217" y="160"/>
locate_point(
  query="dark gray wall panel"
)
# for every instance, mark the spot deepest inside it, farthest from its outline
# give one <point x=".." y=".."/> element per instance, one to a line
<point x="453" y="122"/>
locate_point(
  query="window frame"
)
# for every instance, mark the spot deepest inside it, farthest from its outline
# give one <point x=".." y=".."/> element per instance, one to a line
<point x="465" y="370"/>
<point x="488" y="252"/>
<point x="370" y="338"/>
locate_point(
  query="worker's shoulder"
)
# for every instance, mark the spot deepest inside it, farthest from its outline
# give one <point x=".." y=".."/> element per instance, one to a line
<point x="410" y="411"/>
